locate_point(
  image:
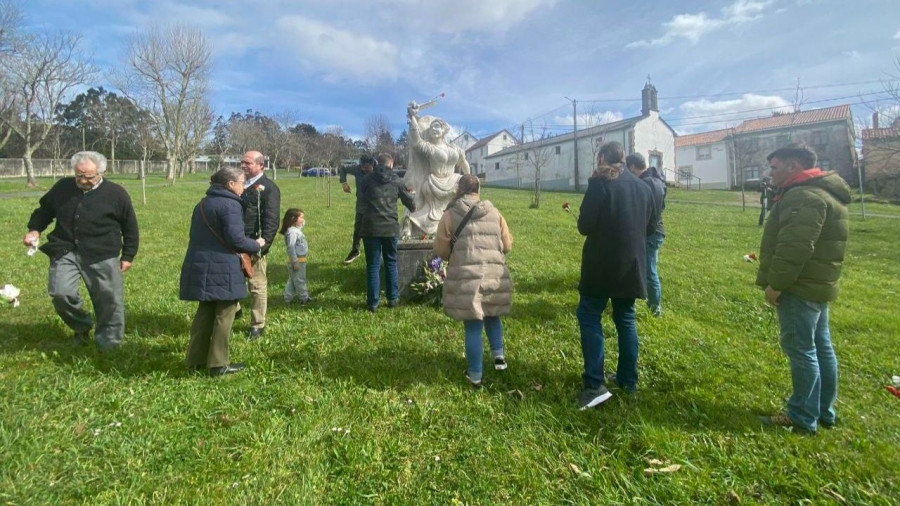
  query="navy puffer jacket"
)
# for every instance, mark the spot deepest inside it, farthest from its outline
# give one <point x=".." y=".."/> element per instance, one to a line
<point x="211" y="271"/>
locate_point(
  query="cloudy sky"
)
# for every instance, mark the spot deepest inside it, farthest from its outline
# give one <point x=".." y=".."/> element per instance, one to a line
<point x="504" y="62"/>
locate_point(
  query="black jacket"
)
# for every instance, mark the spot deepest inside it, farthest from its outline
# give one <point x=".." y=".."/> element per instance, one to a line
<point x="357" y="172"/>
<point x="211" y="270"/>
<point x="262" y="207"/>
<point x="100" y="223"/>
<point x="658" y="189"/>
<point x="616" y="216"/>
<point x="379" y="191"/>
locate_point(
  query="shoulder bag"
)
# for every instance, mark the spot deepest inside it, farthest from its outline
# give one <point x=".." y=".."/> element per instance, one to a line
<point x="462" y="225"/>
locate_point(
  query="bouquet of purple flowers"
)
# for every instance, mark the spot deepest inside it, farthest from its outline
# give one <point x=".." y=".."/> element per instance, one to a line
<point x="431" y="289"/>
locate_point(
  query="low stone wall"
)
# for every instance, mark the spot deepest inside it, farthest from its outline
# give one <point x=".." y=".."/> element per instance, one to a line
<point x="411" y="256"/>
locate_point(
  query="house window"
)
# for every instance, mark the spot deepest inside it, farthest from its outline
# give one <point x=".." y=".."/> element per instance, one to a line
<point x="558" y="150"/>
<point x="751" y="172"/>
<point x="817" y="138"/>
<point x="656" y="160"/>
<point x="504" y="136"/>
<point x="497" y="166"/>
<point x="526" y="155"/>
<point x="825" y="165"/>
<point x="704" y="152"/>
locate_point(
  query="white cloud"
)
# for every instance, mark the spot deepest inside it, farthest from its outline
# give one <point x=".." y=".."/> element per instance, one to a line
<point x="694" y="26"/>
<point x="749" y="105"/>
<point x="455" y="16"/>
<point x="897" y="35"/>
<point x="586" y="120"/>
<point x="339" y="54"/>
<point x="851" y="54"/>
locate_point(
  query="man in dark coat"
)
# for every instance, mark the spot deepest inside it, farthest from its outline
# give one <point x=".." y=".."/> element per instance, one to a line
<point x="366" y="165"/>
<point x="95" y="221"/>
<point x="617" y="214"/>
<point x="800" y="260"/>
<point x="637" y="166"/>
<point x="262" y="205"/>
<point x="379" y="228"/>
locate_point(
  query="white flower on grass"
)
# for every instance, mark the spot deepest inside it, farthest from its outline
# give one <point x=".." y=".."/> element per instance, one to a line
<point x="10" y="294"/>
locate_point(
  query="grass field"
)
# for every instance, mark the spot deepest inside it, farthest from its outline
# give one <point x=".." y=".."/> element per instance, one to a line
<point x="346" y="407"/>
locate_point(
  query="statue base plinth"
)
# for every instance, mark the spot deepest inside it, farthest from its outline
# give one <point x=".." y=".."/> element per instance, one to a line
<point x="411" y="255"/>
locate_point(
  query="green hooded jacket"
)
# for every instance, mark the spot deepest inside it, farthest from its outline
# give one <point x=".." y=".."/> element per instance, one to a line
<point x="803" y="243"/>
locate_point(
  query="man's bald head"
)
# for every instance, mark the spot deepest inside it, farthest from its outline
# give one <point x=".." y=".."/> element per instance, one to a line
<point x="253" y="163"/>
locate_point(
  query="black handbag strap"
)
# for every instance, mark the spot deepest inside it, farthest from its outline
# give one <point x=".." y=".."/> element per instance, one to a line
<point x="461" y="226"/>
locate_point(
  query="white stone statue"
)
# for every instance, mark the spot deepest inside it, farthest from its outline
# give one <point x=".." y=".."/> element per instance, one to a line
<point x="433" y="171"/>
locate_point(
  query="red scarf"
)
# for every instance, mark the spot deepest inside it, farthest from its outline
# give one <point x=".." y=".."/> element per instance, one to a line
<point x="800" y="177"/>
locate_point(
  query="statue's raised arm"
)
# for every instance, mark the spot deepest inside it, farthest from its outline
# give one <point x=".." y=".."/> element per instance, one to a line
<point x="433" y="171"/>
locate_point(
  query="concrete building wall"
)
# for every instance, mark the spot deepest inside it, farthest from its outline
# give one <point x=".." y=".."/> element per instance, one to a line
<point x="709" y="162"/>
<point x="653" y="138"/>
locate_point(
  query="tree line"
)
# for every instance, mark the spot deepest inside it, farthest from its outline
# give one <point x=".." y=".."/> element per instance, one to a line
<point x="159" y="108"/>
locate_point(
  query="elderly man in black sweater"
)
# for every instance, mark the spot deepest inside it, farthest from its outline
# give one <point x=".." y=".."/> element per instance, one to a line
<point x="95" y="239"/>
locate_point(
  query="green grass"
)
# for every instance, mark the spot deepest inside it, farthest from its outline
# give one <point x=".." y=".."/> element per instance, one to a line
<point x="751" y="198"/>
<point x="133" y="427"/>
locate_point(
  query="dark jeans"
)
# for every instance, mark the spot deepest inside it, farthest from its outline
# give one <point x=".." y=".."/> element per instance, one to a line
<point x="589" y="313"/>
<point x="378" y="248"/>
<point x="654" y="289"/>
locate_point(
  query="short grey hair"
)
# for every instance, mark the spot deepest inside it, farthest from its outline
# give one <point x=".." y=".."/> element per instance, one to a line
<point x="96" y="158"/>
<point x="226" y="175"/>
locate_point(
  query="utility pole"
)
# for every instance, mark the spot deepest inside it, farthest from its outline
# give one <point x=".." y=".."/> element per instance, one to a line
<point x="575" y="139"/>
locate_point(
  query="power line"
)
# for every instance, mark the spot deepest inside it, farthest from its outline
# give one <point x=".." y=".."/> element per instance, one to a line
<point x="725" y="94"/>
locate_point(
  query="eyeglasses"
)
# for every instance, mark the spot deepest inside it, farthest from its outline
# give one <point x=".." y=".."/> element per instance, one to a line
<point x="87" y="177"/>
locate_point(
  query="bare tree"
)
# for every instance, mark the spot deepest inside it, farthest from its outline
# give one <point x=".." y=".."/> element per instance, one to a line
<point x="41" y="73"/>
<point x="199" y="122"/>
<point x="10" y="24"/>
<point x="378" y="134"/>
<point x="167" y="73"/>
<point x="537" y="155"/>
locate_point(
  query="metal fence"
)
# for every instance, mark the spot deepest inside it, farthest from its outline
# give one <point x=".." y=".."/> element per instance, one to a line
<point x="48" y="167"/>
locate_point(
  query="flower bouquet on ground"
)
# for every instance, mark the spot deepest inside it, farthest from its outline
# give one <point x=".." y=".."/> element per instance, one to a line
<point x="431" y="289"/>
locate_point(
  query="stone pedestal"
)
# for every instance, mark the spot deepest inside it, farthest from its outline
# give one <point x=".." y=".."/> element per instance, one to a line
<point x="411" y="255"/>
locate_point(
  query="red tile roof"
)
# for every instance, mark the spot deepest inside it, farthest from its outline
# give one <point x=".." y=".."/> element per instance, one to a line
<point x="880" y="133"/>
<point x="701" y="138"/>
<point x="836" y="113"/>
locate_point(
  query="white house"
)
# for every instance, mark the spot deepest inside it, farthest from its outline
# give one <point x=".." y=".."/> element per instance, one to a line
<point x="464" y="140"/>
<point x="647" y="134"/>
<point x="704" y="160"/>
<point x="491" y="144"/>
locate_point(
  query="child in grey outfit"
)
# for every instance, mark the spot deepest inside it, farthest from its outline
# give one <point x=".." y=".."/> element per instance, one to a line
<point x="297" y="250"/>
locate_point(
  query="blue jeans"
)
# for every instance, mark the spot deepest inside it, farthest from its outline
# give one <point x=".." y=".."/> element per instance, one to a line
<point x="806" y="340"/>
<point x="474" y="350"/>
<point x="654" y="289"/>
<point x="376" y="249"/>
<point x="590" y="310"/>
